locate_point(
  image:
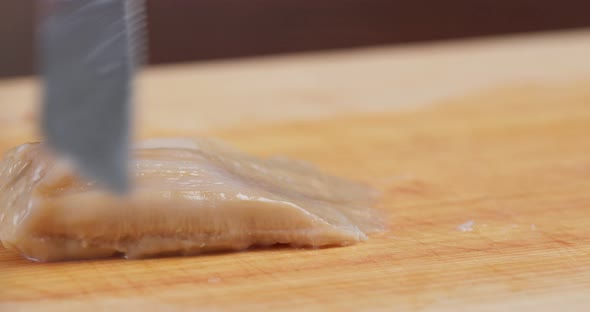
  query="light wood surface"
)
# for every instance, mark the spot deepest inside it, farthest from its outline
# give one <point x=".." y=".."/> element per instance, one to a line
<point x="481" y="150"/>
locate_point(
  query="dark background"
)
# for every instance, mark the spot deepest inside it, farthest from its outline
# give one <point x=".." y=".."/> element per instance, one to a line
<point x="192" y="30"/>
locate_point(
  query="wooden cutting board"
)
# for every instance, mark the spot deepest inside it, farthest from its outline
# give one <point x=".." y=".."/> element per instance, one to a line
<point x="481" y="150"/>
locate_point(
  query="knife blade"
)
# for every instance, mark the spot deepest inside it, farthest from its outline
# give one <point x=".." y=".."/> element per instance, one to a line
<point x="89" y="53"/>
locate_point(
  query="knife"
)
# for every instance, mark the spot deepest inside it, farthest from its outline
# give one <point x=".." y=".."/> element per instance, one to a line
<point x="89" y="51"/>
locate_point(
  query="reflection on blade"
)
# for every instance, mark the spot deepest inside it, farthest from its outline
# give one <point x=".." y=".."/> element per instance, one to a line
<point x="88" y="55"/>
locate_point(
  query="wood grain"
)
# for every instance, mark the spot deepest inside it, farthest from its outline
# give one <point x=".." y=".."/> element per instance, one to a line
<point x="512" y="158"/>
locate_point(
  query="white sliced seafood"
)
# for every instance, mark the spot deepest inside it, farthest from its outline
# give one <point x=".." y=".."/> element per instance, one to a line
<point x="190" y="196"/>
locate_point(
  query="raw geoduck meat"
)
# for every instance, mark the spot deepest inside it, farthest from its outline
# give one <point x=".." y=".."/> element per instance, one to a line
<point x="189" y="196"/>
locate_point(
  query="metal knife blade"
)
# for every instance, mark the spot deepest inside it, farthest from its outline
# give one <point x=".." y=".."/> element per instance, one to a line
<point x="89" y="52"/>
